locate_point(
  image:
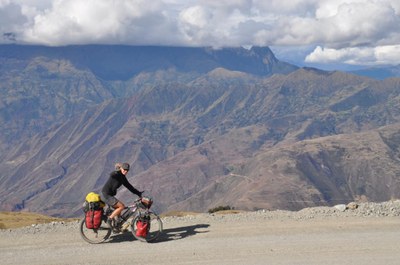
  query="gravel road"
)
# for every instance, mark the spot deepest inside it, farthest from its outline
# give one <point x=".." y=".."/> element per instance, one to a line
<point x="369" y="234"/>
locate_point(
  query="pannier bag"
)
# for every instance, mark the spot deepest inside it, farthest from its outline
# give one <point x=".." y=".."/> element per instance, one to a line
<point x="93" y="208"/>
<point x="93" y="219"/>
<point x="143" y="226"/>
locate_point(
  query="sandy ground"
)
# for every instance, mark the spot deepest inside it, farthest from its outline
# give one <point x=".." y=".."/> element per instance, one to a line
<point x="218" y="240"/>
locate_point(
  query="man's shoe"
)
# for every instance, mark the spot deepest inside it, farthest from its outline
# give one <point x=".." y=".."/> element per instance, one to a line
<point x="110" y="222"/>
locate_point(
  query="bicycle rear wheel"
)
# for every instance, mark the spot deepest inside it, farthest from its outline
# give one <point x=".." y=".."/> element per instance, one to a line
<point x="154" y="228"/>
<point x="94" y="236"/>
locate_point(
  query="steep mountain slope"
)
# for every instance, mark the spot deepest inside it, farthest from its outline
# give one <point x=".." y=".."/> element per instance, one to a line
<point x="223" y="138"/>
<point x="42" y="86"/>
<point x="323" y="171"/>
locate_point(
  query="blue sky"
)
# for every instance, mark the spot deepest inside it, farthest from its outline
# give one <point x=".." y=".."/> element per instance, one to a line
<point x="324" y="33"/>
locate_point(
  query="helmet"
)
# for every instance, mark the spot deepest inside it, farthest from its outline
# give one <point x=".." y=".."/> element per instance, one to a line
<point x="125" y="166"/>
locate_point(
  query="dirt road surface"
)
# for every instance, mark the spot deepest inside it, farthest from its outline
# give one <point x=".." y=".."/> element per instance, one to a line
<point x="217" y="239"/>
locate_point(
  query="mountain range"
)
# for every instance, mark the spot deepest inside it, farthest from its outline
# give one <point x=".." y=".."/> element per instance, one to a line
<point x="380" y="73"/>
<point x="200" y="127"/>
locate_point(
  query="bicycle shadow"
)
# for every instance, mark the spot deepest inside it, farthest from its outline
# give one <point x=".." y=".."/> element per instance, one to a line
<point x="122" y="237"/>
<point x="169" y="234"/>
<point x="178" y="233"/>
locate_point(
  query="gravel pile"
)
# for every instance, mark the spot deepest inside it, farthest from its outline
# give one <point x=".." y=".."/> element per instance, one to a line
<point x="369" y="209"/>
<point x="44" y="228"/>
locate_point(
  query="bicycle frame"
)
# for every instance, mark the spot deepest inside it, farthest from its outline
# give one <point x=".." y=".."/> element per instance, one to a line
<point x="128" y="212"/>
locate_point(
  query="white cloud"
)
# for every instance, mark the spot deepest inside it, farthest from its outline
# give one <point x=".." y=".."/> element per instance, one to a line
<point x="335" y="25"/>
<point x="384" y="55"/>
<point x="93" y="21"/>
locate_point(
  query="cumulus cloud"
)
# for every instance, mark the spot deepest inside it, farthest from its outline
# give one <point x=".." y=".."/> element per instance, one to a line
<point x="340" y="29"/>
<point x="389" y="54"/>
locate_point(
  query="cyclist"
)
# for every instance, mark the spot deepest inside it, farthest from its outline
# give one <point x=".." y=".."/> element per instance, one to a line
<point x="117" y="179"/>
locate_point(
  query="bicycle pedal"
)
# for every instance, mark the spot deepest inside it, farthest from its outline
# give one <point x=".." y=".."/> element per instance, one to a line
<point x="116" y="230"/>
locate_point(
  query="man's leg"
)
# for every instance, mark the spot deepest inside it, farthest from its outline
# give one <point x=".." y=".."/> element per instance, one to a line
<point x="119" y="206"/>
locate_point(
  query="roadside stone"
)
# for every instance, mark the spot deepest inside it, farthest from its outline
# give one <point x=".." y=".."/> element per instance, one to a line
<point x="352" y="206"/>
<point x="366" y="209"/>
<point x="340" y="207"/>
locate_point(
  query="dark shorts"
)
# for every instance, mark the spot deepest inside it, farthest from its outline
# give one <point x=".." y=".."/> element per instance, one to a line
<point x="110" y="200"/>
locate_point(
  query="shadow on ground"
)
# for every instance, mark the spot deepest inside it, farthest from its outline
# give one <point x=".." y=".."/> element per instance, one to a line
<point x="181" y="232"/>
<point x="167" y="234"/>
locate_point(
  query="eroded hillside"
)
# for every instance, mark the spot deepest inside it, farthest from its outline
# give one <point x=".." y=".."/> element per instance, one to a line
<point x="199" y="140"/>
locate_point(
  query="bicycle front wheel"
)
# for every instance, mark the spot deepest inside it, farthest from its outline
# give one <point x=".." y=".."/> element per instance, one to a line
<point x="153" y="227"/>
<point x="94" y="236"/>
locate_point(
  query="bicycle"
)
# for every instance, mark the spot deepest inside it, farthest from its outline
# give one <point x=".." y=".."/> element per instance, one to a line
<point x="130" y="217"/>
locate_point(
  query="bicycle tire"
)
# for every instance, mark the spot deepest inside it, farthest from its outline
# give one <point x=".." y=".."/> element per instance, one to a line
<point x="156" y="228"/>
<point x="95" y="236"/>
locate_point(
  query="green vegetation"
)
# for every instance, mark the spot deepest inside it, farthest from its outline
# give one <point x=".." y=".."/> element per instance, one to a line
<point x="220" y="208"/>
<point x="177" y="214"/>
